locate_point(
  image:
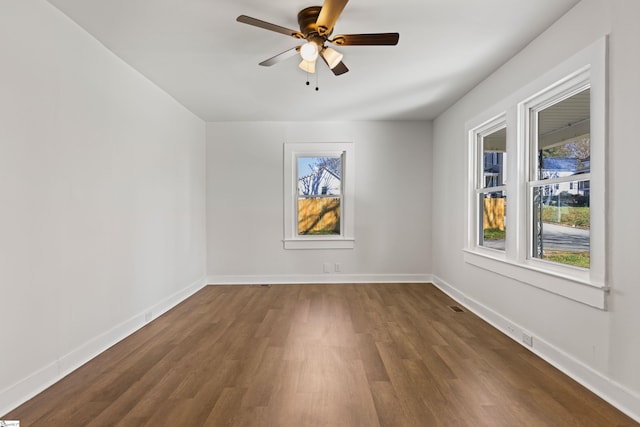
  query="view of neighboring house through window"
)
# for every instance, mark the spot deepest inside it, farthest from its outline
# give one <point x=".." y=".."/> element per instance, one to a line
<point x="560" y="180"/>
<point x="319" y="195"/>
<point x="491" y="185"/>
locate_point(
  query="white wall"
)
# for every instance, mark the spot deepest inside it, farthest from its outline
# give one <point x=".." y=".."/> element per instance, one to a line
<point x="245" y="203"/>
<point x="602" y="349"/>
<point x="102" y="185"/>
<point x="102" y="180"/>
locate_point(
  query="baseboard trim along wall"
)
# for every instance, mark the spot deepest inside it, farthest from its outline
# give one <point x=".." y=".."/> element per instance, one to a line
<point x="16" y="394"/>
<point x="327" y="278"/>
<point x="608" y="389"/>
<point x="613" y="392"/>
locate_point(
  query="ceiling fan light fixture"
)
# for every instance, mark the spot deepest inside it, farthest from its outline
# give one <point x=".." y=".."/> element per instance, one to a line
<point x="316" y="26"/>
<point x="308" y="66"/>
<point x="309" y="51"/>
<point x="331" y="56"/>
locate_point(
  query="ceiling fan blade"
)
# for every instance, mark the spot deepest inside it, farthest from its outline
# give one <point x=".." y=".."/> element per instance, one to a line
<point x="340" y="69"/>
<point x="269" y="26"/>
<point x="331" y="10"/>
<point x="378" y="39"/>
<point x="280" y="57"/>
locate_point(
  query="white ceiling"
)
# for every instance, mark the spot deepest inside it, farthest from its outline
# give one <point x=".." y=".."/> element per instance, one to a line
<point x="197" y="52"/>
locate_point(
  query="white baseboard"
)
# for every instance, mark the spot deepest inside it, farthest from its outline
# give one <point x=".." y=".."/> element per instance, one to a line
<point x="613" y="392"/>
<point x="16" y="394"/>
<point x="328" y="278"/>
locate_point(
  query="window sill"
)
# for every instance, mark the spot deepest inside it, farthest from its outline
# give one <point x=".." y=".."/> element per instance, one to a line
<point x="573" y="288"/>
<point x="319" y="243"/>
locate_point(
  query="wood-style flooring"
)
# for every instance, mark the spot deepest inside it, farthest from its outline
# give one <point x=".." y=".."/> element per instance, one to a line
<point x="317" y="355"/>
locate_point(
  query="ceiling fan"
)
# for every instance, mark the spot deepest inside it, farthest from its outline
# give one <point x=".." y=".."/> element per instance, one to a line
<point x="316" y="26"/>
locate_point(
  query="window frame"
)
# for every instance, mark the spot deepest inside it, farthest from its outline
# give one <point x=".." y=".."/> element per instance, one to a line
<point x="571" y="85"/>
<point x="587" y="286"/>
<point x="476" y="137"/>
<point x="293" y="240"/>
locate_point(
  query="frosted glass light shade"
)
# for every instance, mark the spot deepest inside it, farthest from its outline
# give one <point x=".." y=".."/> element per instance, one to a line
<point x="308" y="66"/>
<point x="309" y="51"/>
<point x="332" y="57"/>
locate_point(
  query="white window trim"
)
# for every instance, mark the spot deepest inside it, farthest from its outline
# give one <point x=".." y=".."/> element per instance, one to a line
<point x="476" y="185"/>
<point x="292" y="151"/>
<point x="572" y="84"/>
<point x="587" y="286"/>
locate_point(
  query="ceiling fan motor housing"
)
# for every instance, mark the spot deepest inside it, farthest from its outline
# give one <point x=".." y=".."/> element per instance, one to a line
<point x="307" y="19"/>
<point x="316" y="26"/>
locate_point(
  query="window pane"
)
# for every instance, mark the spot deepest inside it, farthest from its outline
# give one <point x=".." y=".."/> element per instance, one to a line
<point x="319" y="215"/>
<point x="494" y="158"/>
<point x="564" y="138"/>
<point x="493" y="218"/>
<point x="561" y="226"/>
<point x="319" y="176"/>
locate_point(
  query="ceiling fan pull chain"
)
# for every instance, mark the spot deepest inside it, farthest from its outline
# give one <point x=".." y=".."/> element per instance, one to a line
<point x="307" y="78"/>
<point x="317" y="88"/>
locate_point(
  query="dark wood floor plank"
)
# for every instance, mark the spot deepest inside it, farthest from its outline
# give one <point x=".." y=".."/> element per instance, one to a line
<point x="318" y="355"/>
<point x="389" y="408"/>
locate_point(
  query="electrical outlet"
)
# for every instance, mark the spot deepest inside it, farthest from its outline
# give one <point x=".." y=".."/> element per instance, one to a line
<point x="527" y="339"/>
<point x="337" y="267"/>
<point x="326" y="267"/>
<point x="148" y="316"/>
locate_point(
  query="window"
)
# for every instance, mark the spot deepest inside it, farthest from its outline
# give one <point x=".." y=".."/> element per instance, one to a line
<point x="560" y="144"/>
<point x="318" y="196"/>
<point x="490" y="143"/>
<point x="554" y="130"/>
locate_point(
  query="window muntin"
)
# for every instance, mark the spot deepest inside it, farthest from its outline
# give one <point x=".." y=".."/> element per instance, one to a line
<point x="560" y="178"/>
